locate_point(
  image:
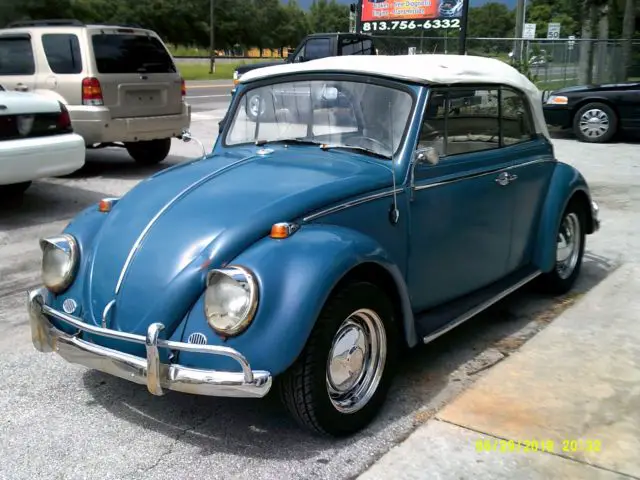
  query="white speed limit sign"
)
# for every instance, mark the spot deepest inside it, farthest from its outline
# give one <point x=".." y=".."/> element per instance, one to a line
<point x="553" y="31"/>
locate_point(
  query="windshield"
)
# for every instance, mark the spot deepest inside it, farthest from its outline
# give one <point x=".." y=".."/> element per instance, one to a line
<point x="333" y="113"/>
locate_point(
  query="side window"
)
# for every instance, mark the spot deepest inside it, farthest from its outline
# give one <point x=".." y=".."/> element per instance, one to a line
<point x="351" y="46"/>
<point x="63" y="52"/>
<point x="367" y="47"/>
<point x="517" y="126"/>
<point x="317" y="48"/>
<point x="461" y="121"/>
<point x="16" y="55"/>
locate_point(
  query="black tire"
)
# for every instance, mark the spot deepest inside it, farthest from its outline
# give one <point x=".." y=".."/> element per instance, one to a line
<point x="14" y="190"/>
<point x="149" y="152"/>
<point x="601" y="111"/>
<point x="555" y="281"/>
<point x="304" y="386"/>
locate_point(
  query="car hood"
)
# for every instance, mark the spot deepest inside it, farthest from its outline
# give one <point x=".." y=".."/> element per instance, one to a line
<point x="171" y="228"/>
<point x="242" y="69"/>
<point x="597" y="88"/>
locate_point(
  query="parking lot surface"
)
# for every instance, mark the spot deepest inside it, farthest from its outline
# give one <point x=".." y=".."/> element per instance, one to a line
<point x="63" y="421"/>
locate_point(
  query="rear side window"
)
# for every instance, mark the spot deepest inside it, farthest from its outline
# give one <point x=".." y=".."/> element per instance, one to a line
<point x="16" y="56"/>
<point x="63" y="52"/>
<point x="356" y="46"/>
<point x="122" y="53"/>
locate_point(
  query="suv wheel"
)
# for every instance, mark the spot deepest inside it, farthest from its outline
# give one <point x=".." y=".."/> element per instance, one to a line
<point x="149" y="152"/>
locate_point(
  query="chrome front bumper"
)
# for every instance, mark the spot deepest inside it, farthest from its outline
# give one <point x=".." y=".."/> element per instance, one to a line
<point x="148" y="371"/>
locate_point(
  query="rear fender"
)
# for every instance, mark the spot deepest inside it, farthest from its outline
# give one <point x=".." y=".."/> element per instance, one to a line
<point x="295" y="277"/>
<point x="567" y="184"/>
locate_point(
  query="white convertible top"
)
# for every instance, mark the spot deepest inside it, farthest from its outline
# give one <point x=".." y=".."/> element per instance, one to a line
<point x="422" y="69"/>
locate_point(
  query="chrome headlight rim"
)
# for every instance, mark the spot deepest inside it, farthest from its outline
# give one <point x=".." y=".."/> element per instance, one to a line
<point x="73" y="254"/>
<point x="243" y="275"/>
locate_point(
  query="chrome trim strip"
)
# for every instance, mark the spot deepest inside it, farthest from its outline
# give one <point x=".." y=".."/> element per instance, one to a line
<point x="169" y="204"/>
<point x="349" y="204"/>
<point x="147" y="371"/>
<point x="105" y="313"/>
<point x="476" y="310"/>
<point x="478" y="175"/>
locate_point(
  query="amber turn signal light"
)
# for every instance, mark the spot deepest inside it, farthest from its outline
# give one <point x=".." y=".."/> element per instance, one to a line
<point x="106" y="204"/>
<point x="283" y="230"/>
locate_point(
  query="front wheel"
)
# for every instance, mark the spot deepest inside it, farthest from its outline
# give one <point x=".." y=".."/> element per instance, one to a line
<point x="570" y="243"/>
<point x="149" y="152"/>
<point x="340" y="380"/>
<point x="595" y="123"/>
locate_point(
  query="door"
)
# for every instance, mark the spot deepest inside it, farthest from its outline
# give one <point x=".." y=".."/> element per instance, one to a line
<point x="136" y="72"/>
<point x="461" y="212"/>
<point x="532" y="166"/>
<point x="17" y="62"/>
<point x="627" y="100"/>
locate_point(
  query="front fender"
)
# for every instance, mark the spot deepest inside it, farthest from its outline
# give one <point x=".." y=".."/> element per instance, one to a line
<point x="295" y="277"/>
<point x="566" y="182"/>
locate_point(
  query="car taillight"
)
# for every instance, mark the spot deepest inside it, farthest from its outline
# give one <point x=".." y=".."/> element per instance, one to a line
<point x="92" y="92"/>
<point x="183" y="88"/>
<point x="64" y="120"/>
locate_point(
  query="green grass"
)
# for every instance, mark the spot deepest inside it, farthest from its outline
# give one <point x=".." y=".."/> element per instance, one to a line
<point x="200" y="71"/>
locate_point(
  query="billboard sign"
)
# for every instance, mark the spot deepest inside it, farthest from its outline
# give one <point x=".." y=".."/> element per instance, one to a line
<point x="410" y="15"/>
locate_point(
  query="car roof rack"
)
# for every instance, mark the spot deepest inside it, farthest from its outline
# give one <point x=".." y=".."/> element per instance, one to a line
<point x="62" y="22"/>
<point x="117" y="25"/>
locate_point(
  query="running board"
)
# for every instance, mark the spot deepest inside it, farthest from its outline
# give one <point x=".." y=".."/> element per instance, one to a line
<point x="466" y="307"/>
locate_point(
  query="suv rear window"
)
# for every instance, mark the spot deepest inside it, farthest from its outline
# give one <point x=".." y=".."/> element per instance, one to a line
<point x="16" y="56"/>
<point x="120" y="53"/>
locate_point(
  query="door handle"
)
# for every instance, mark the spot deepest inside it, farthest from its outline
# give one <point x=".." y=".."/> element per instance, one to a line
<point x="503" y="179"/>
<point x="21" y="87"/>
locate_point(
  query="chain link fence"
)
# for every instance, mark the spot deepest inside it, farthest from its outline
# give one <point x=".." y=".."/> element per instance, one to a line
<point x="552" y="63"/>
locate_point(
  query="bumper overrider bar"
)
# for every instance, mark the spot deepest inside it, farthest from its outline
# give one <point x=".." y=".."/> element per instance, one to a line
<point x="148" y="371"/>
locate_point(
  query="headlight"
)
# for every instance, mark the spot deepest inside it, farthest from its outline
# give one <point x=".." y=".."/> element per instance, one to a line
<point x="557" y="100"/>
<point x="59" y="261"/>
<point x="236" y="77"/>
<point x="231" y="300"/>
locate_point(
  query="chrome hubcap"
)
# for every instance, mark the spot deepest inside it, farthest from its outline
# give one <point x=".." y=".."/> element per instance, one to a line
<point x="356" y="361"/>
<point x="594" y="123"/>
<point x="568" y="248"/>
<point x="256" y="105"/>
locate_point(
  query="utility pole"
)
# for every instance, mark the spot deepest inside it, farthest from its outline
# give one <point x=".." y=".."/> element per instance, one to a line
<point x="517" y="45"/>
<point x="464" y="21"/>
<point x="212" y="54"/>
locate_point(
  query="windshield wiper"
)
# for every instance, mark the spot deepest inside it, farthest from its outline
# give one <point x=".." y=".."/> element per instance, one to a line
<point x="368" y="151"/>
<point x="298" y="141"/>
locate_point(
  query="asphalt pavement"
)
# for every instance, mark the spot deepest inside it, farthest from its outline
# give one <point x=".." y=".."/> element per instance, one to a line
<point x="63" y="421"/>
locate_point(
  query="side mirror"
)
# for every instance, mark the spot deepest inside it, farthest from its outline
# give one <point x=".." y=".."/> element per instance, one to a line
<point x="299" y="59"/>
<point x="186" y="137"/>
<point x="427" y="155"/>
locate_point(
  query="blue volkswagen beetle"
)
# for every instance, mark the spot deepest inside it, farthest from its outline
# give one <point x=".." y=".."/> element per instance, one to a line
<point x="376" y="205"/>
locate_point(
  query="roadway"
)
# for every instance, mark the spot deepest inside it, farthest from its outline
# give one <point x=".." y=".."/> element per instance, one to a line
<point x="209" y="96"/>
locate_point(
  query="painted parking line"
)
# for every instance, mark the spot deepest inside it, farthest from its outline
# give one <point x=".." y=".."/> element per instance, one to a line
<point x="210" y="85"/>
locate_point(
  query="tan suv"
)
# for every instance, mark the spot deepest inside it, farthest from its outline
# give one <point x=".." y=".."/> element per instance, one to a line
<point x="120" y="84"/>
